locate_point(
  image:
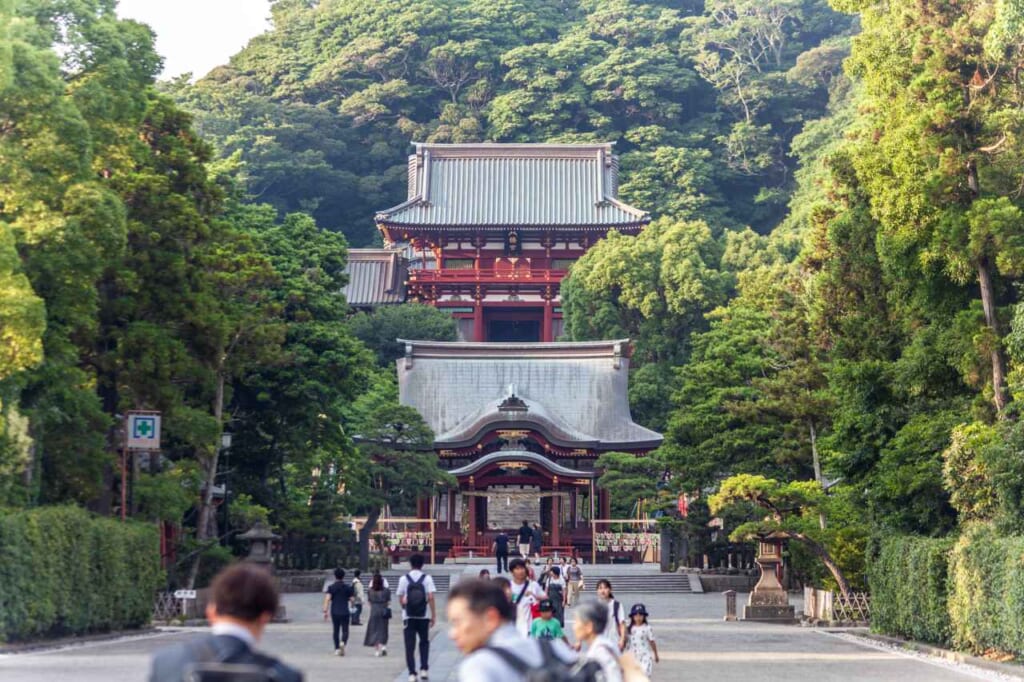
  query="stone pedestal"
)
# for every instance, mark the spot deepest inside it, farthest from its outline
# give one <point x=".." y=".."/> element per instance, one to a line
<point x="769" y="602"/>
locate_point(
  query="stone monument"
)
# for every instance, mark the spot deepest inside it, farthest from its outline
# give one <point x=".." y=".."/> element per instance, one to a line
<point x="769" y="602"/>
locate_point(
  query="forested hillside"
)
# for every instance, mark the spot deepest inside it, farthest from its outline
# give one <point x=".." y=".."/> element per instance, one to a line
<point x="702" y="103"/>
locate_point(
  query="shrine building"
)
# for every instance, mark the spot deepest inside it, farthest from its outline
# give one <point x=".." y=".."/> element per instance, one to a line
<point x="487" y="233"/>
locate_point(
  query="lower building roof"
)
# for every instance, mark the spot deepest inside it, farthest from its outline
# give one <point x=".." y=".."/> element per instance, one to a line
<point x="375" y="277"/>
<point x="573" y="393"/>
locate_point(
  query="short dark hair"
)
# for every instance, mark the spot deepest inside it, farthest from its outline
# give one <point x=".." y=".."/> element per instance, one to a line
<point x="481" y="595"/>
<point x="356" y="573"/>
<point x="339" y="573"/>
<point x="516" y="563"/>
<point x="416" y="561"/>
<point x="556" y="571"/>
<point x="244" y="591"/>
<point x="502" y="582"/>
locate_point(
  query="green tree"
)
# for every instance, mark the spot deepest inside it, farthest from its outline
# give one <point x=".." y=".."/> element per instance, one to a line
<point x="381" y="328"/>
<point x="396" y="463"/>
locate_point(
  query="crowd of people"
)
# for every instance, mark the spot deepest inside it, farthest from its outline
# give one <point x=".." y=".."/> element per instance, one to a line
<point x="507" y="626"/>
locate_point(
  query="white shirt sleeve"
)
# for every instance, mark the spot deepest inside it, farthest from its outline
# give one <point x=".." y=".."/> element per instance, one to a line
<point x="428" y="585"/>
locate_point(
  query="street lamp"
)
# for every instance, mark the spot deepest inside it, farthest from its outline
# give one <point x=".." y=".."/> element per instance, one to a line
<point x="225" y="446"/>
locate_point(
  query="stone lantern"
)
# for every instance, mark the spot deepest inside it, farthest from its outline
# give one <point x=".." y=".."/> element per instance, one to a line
<point x="769" y="601"/>
<point x="260" y="539"/>
<point x="261" y="553"/>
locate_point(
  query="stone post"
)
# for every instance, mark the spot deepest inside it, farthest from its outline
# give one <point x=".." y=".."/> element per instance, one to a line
<point x="261" y="553"/>
<point x="769" y="601"/>
<point x="730" y="605"/>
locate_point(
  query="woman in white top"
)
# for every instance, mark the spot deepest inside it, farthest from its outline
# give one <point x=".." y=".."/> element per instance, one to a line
<point x="591" y="618"/>
<point x="615" y="627"/>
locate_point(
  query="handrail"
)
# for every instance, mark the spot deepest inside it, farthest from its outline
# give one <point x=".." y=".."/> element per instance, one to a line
<point x="481" y="275"/>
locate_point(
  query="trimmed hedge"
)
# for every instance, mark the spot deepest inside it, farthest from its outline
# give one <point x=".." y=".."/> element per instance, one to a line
<point x="64" y="571"/>
<point x="909" y="580"/>
<point x="986" y="603"/>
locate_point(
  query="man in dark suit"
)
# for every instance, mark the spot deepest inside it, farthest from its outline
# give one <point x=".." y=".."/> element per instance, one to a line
<point x="243" y="599"/>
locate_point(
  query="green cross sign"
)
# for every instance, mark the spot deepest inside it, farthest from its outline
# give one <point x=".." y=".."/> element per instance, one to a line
<point x="144" y="431"/>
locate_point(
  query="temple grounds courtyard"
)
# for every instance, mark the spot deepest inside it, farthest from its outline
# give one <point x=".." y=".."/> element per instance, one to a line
<point x="695" y="644"/>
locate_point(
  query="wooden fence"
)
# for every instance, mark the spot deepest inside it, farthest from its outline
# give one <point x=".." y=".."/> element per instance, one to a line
<point x="830" y="606"/>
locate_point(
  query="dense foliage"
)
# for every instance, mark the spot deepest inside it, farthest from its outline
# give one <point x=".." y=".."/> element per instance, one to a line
<point x="64" y="572"/>
<point x="909" y="578"/>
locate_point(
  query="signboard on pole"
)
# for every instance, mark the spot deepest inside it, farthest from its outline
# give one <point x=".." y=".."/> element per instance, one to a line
<point x="143" y="431"/>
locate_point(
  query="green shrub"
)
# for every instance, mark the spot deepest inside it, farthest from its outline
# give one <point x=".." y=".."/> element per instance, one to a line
<point x="986" y="602"/>
<point x="63" y="571"/>
<point x="909" y="581"/>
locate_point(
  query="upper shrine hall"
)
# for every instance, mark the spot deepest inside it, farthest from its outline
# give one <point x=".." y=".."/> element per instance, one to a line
<point x="488" y="232"/>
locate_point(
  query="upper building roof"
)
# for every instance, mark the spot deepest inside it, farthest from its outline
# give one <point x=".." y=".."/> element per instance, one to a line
<point x="375" y="277"/>
<point x="500" y="186"/>
<point x="575" y="394"/>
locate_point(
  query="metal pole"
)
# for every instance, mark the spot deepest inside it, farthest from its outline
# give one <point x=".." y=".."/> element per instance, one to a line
<point x="124" y="483"/>
<point x="433" y="544"/>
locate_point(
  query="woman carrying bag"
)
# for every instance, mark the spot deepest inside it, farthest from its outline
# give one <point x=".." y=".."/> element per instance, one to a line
<point x="379" y="598"/>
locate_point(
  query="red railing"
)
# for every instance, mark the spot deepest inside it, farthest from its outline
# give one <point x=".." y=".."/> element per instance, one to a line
<point x="486" y="275"/>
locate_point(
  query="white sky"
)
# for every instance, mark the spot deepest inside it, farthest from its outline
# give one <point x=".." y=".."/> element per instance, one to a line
<point x="197" y="35"/>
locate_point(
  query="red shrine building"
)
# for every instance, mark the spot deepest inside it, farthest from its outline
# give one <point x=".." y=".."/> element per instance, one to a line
<point x="487" y="233"/>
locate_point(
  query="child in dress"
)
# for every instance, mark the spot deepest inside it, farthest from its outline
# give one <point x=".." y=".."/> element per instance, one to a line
<point x="640" y="639"/>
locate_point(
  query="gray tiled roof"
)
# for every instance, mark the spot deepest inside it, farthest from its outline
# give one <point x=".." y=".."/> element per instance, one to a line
<point x="574" y="393"/>
<point x="519" y="185"/>
<point x="375" y="277"/>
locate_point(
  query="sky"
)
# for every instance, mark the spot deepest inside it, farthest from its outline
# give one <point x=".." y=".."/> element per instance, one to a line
<point x="197" y="35"/>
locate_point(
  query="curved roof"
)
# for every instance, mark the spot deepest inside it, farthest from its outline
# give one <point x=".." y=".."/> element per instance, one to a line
<point x="517" y="185"/>
<point x="574" y="393"/>
<point x="520" y="456"/>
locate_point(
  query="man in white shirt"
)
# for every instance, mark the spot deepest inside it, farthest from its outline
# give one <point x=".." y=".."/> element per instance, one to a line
<point x="525" y="593"/>
<point x="416" y="594"/>
<point x="480" y="615"/>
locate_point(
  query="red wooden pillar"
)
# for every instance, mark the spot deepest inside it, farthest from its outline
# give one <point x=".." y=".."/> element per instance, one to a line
<point x="606" y="503"/>
<point x="545" y="333"/>
<point x="478" y="321"/>
<point x="556" y="514"/>
<point x="472" y="513"/>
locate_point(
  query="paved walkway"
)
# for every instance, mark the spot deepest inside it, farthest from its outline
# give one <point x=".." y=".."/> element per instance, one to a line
<point x="694" y="641"/>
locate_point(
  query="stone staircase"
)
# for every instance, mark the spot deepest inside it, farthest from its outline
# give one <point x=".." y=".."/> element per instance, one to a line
<point x="635" y="582"/>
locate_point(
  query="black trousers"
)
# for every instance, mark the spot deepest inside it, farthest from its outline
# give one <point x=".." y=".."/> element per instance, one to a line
<point x="342" y="623"/>
<point x="502" y="561"/>
<point x="417" y="627"/>
<point x="357" y="614"/>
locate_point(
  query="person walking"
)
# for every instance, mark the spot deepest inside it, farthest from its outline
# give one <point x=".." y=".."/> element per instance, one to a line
<point x="525" y="594"/>
<point x="358" y="597"/>
<point x="243" y="600"/>
<point x="615" y="625"/>
<point x="589" y="624"/>
<point x="525" y="538"/>
<point x="536" y="541"/>
<point x="500" y="548"/>
<point x="338" y="603"/>
<point x="574" y="581"/>
<point x="379" y="598"/>
<point x="640" y="639"/>
<point x="416" y="594"/>
<point x="557" y="593"/>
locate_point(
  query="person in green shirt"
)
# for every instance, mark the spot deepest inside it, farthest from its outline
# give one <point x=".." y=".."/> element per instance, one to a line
<point x="547" y="626"/>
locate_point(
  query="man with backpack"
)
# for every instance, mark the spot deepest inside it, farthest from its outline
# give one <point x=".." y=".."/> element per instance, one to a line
<point x="481" y="617"/>
<point x="243" y="599"/>
<point x="416" y="595"/>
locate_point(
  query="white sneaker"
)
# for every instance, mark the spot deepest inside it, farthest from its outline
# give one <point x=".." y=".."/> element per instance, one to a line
<point x="383" y="651"/>
<point x="412" y="677"/>
<point x="424" y="675"/>
<point x="341" y="651"/>
<point x="337" y="652"/>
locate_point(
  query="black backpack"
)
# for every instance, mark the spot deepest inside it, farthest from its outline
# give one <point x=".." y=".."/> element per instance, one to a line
<point x="415" y="597"/>
<point x="552" y="668"/>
